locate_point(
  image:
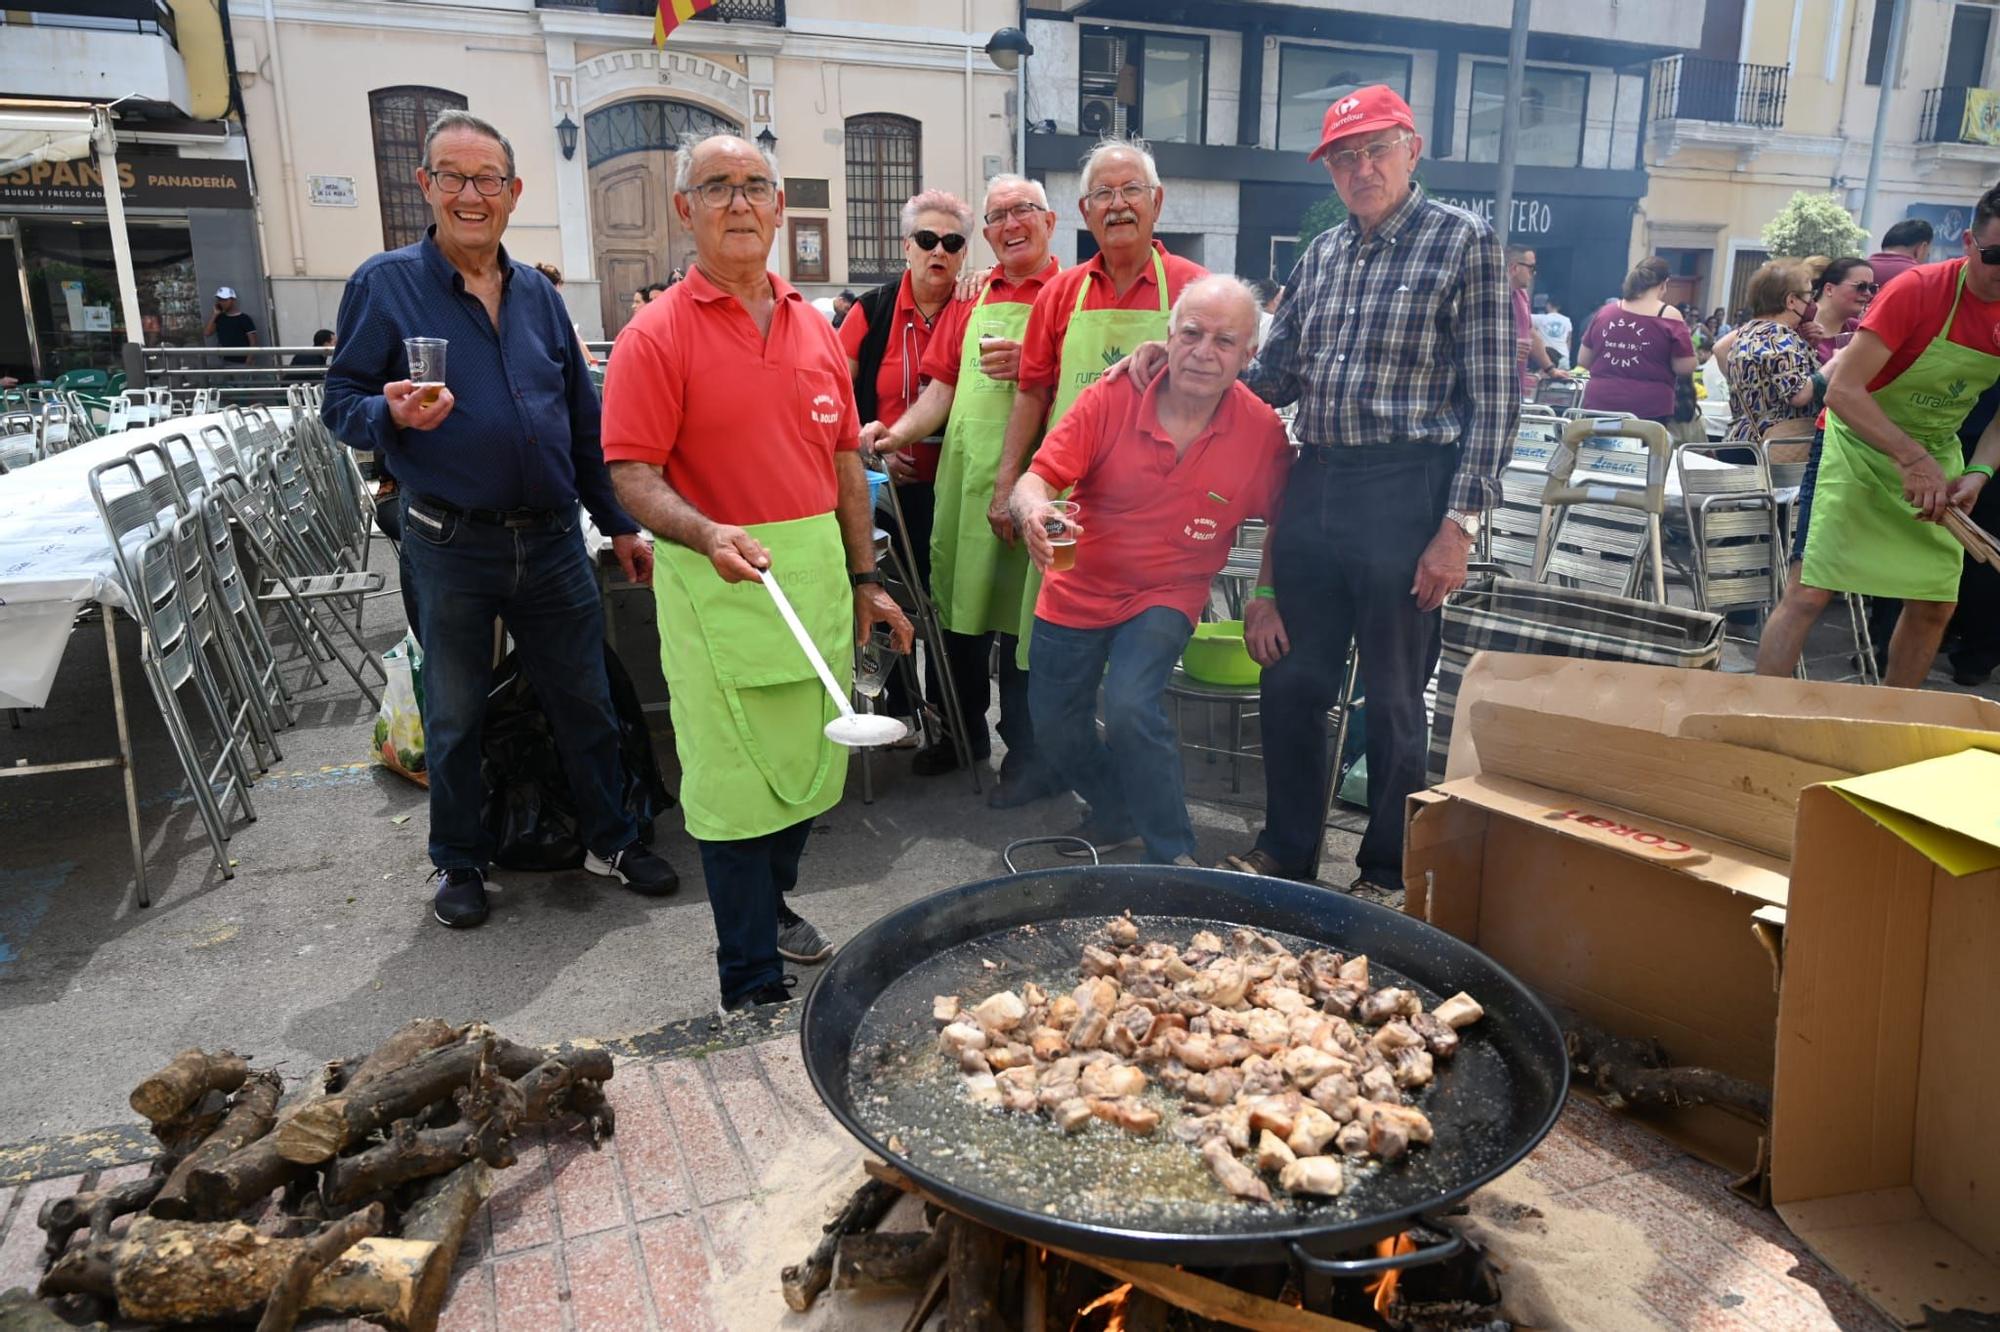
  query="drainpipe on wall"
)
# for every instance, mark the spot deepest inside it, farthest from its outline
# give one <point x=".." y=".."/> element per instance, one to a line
<point x="1892" y="65"/>
<point x="286" y="175"/>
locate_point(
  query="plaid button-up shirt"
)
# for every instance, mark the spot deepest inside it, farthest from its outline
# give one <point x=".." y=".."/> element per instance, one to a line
<point x="1404" y="336"/>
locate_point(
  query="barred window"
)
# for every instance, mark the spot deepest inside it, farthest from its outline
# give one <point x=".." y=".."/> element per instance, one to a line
<point x="647" y="124"/>
<point x="882" y="175"/>
<point x="400" y="116"/>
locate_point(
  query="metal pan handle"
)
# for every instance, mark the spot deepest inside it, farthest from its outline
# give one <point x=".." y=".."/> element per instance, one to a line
<point x="1008" y="855"/>
<point x="1356" y="1267"/>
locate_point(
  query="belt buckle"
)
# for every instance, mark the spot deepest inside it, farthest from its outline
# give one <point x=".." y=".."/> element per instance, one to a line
<point x="516" y="519"/>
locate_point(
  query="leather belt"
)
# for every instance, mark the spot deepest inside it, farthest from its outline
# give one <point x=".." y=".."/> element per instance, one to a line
<point x="509" y="518"/>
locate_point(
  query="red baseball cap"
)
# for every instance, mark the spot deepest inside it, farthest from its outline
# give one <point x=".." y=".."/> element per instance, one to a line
<point x="1374" y="107"/>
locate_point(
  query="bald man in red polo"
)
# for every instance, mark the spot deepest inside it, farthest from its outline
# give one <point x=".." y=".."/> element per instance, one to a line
<point x="1163" y="477"/>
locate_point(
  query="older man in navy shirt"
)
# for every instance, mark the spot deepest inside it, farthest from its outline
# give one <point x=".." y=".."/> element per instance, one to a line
<point x="491" y="471"/>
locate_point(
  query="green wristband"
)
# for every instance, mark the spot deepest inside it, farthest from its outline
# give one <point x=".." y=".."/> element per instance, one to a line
<point x="1980" y="468"/>
<point x="1265" y="592"/>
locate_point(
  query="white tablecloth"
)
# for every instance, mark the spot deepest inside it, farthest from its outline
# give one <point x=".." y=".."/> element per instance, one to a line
<point x="55" y="556"/>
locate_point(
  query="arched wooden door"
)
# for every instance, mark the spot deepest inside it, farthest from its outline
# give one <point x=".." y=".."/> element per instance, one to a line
<point x="638" y="242"/>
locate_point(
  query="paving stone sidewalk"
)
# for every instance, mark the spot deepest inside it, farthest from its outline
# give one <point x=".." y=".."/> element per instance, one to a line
<point x="725" y="1165"/>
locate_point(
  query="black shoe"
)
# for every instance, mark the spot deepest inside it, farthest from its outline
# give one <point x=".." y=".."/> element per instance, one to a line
<point x="935" y="760"/>
<point x="638" y="869"/>
<point x="1016" y="792"/>
<point x="1104" y="836"/>
<point x="460" y="902"/>
<point x="1972" y="676"/>
<point x="777" y="992"/>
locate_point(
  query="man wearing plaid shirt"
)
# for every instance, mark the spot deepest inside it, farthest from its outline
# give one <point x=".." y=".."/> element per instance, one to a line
<point x="1396" y="340"/>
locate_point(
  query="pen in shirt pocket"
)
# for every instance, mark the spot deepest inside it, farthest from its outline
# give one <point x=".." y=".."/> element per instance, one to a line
<point x="1219" y="499"/>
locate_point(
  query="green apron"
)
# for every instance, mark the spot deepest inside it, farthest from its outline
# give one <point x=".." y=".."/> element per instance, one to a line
<point x="976" y="578"/>
<point x="749" y="712"/>
<point x="1095" y="341"/>
<point x="1864" y="537"/>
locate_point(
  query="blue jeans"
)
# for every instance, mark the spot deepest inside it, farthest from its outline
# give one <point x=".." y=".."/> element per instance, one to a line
<point x="1343" y="559"/>
<point x="538" y="580"/>
<point x="1131" y="778"/>
<point x="745" y="880"/>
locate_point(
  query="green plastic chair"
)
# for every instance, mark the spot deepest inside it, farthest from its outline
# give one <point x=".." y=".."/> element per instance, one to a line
<point x="84" y="379"/>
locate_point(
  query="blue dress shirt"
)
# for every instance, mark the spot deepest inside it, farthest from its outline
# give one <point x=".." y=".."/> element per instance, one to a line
<point x="523" y="433"/>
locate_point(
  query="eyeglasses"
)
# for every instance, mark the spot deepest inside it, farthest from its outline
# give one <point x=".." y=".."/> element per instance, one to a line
<point x="720" y="193"/>
<point x="1865" y="288"/>
<point x="1103" y="196"/>
<point x="1989" y="254"/>
<point x="1522" y="263"/>
<point x="452" y="182"/>
<point x="1348" y="159"/>
<point x="930" y="240"/>
<point x="1805" y="296"/>
<point x="1020" y="212"/>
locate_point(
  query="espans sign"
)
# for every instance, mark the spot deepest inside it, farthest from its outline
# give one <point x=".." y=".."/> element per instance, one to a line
<point x="146" y="182"/>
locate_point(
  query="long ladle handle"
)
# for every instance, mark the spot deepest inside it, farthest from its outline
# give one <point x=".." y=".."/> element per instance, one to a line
<point x="807" y="646"/>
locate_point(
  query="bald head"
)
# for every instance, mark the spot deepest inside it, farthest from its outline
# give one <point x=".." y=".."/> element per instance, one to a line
<point x="1218" y="300"/>
<point x="703" y="153"/>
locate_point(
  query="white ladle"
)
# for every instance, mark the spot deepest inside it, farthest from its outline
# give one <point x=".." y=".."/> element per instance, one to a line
<point x="856" y="730"/>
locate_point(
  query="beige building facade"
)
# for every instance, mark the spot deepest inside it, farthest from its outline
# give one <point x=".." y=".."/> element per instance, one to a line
<point x="1783" y="98"/>
<point x="862" y="101"/>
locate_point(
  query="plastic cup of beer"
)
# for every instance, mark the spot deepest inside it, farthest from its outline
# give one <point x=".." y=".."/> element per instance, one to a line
<point x="1062" y="535"/>
<point x="426" y="367"/>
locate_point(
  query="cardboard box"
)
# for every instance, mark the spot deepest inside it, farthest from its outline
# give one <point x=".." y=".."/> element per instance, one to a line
<point x="1652" y="905"/>
<point x="1887" y="1101"/>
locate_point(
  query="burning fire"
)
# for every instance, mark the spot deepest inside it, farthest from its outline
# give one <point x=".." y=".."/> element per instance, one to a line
<point x="1114" y="1300"/>
<point x="1383" y="1288"/>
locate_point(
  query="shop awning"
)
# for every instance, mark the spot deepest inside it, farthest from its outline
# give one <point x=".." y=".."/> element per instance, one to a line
<point x="28" y="137"/>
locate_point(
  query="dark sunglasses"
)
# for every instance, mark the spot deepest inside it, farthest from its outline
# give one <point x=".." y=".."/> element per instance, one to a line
<point x="953" y="243"/>
<point x="1989" y="254"/>
<point x="1870" y="288"/>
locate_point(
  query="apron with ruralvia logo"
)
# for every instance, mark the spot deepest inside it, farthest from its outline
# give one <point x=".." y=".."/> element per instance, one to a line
<point x="1864" y="536"/>
<point x="1095" y="341"/>
<point x="749" y="712"/>
<point x="976" y="578"/>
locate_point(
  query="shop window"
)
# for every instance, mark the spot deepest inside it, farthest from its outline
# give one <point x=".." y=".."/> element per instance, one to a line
<point x="1152" y="84"/>
<point x="1552" y="114"/>
<point x="1311" y="78"/>
<point x="882" y="174"/>
<point x="400" y="117"/>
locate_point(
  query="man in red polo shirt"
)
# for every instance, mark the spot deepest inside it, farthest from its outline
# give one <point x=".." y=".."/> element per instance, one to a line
<point x="730" y="428"/>
<point x="1164" y="476"/>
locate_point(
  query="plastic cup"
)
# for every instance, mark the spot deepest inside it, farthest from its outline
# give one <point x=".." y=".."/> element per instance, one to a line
<point x="426" y="357"/>
<point x="1061" y="535"/>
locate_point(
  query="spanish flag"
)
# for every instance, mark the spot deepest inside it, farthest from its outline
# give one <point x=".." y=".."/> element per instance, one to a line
<point x="672" y="13"/>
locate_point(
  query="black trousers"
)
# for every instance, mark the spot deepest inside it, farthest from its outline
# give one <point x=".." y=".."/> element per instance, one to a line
<point x="919" y="503"/>
<point x="1344" y="557"/>
<point x="970" y="656"/>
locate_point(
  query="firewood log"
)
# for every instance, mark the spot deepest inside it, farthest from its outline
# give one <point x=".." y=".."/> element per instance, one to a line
<point x="188" y="1077"/>
<point x="251" y="1114"/>
<point x="492" y="1114"/>
<point x="197" y="1272"/>
<point x="441" y="1217"/>
<point x="407" y="1042"/>
<point x="287" y="1302"/>
<point x="63" y="1217"/>
<point x="323" y="1128"/>
<point x="22" y="1312"/>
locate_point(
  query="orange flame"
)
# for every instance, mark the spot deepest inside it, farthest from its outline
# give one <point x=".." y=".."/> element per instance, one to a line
<point x="1383" y="1288"/>
<point x="1114" y="1300"/>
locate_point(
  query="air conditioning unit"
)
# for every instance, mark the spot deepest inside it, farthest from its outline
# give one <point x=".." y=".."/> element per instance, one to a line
<point x="1102" y="114"/>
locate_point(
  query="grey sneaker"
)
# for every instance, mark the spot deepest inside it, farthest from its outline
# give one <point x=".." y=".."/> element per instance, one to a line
<point x="799" y="941"/>
<point x="1105" y="837"/>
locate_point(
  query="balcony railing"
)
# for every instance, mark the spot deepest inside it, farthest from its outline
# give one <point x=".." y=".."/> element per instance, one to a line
<point x="770" y="12"/>
<point x="1961" y="115"/>
<point x="101" y="15"/>
<point x="1719" y="91"/>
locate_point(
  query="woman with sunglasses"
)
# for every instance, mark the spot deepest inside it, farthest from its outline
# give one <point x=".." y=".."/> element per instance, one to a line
<point x="1772" y="368"/>
<point x="1842" y="297"/>
<point x="886" y="333"/>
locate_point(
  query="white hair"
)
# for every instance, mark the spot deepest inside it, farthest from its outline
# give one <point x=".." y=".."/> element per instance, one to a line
<point x="1110" y="144"/>
<point x="684" y="159"/>
<point x="937" y="201"/>
<point x="1217" y="284"/>
<point x="1008" y="180"/>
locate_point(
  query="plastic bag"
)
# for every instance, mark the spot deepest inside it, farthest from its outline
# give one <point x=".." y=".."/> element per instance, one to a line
<point x="399" y="724"/>
<point x="528" y="813"/>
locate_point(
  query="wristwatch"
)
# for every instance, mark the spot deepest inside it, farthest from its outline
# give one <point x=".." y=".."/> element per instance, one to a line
<point x="869" y="576"/>
<point x="1468" y="523"/>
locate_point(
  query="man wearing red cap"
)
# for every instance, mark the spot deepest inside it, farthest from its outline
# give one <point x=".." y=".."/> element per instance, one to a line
<point x="1395" y="339"/>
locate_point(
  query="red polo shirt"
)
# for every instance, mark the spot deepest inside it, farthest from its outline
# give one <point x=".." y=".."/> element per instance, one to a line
<point x="1156" y="529"/>
<point x="941" y="362"/>
<point x="744" y="425"/>
<point x="1041" y="349"/>
<point x="909" y="337"/>
<point x="1909" y="314"/>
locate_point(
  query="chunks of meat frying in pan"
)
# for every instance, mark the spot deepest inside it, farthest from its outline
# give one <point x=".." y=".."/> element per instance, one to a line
<point x="1274" y="1066"/>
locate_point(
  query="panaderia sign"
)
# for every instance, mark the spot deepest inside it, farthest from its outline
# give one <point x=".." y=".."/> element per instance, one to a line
<point x="145" y="182"/>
